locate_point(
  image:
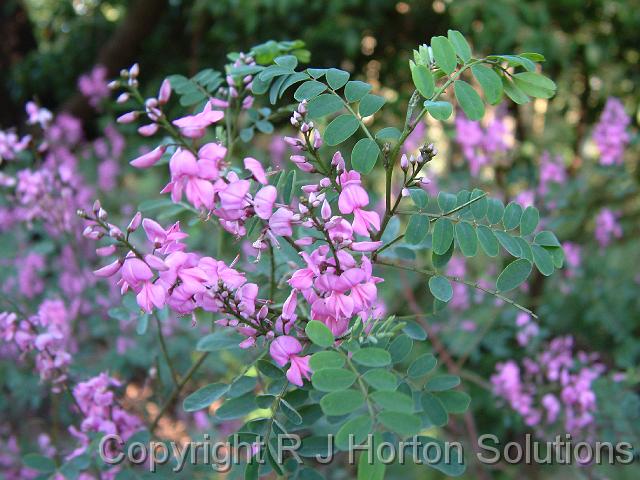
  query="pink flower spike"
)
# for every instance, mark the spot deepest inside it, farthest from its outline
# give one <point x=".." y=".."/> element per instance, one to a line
<point x="255" y="167"/>
<point x="108" y="270"/>
<point x="264" y="200"/>
<point x="149" y="159"/>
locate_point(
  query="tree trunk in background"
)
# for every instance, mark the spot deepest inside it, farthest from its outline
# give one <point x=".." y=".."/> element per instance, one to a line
<point x="17" y="41"/>
<point x="121" y="49"/>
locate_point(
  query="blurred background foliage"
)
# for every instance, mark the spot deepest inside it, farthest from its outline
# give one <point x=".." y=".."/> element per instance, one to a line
<point x="591" y="47"/>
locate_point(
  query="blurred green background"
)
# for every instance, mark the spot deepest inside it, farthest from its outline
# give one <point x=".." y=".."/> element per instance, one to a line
<point x="592" y="47"/>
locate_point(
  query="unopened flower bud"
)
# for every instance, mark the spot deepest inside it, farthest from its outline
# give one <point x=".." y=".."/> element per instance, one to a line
<point x="404" y="162"/>
<point x="165" y="92"/>
<point x="325" y="210"/>
<point x="115" y="232"/>
<point x="96" y="206"/>
<point x="134" y="71"/>
<point x="135" y="222"/>
<point x="102" y="214"/>
<point x="128" y="117"/>
<point x="122" y="98"/>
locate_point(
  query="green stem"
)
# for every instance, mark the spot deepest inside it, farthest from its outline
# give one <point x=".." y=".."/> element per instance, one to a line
<point x="177" y="389"/>
<point x="165" y="351"/>
<point x="475" y="285"/>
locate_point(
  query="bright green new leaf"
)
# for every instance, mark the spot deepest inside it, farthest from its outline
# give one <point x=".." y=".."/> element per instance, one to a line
<point x="423" y="80"/>
<point x="444" y="54"/>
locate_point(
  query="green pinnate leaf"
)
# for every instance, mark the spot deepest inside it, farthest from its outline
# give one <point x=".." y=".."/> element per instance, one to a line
<point x="340" y="129"/>
<point x="372" y="357"/>
<point x="529" y="220"/>
<point x="323" y="105"/>
<point x="365" y="155"/>
<point x="490" y="82"/>
<point x="440" y="288"/>
<point x="512" y="216"/>
<point x="513" y="275"/>
<point x="488" y="241"/>
<point x="423" y="80"/>
<point x="204" y="397"/>
<point x="355" y="90"/>
<point x="469" y="100"/>
<point x="535" y="84"/>
<point x="358" y="428"/>
<point x="319" y="333"/>
<point x="342" y="402"/>
<point x="439" y="110"/>
<point x="370" y="104"/>
<point x="336" y="78"/>
<point x="326" y="359"/>
<point x="417" y="229"/>
<point x="442" y="236"/>
<point x="440" y="383"/>
<point x="543" y="260"/>
<point x="434" y="410"/>
<point x="467" y="239"/>
<point x="309" y="90"/>
<point x="460" y="45"/>
<point x="332" y="379"/>
<point x="422" y="365"/>
<point x="393" y="401"/>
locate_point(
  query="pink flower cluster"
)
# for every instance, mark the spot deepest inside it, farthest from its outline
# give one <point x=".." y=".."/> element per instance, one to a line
<point x="93" y="85"/>
<point x="102" y="413"/>
<point x="567" y="380"/>
<point x="607" y="227"/>
<point x="552" y="171"/>
<point x="610" y="134"/>
<point x="47" y="334"/>
<point x="479" y="145"/>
